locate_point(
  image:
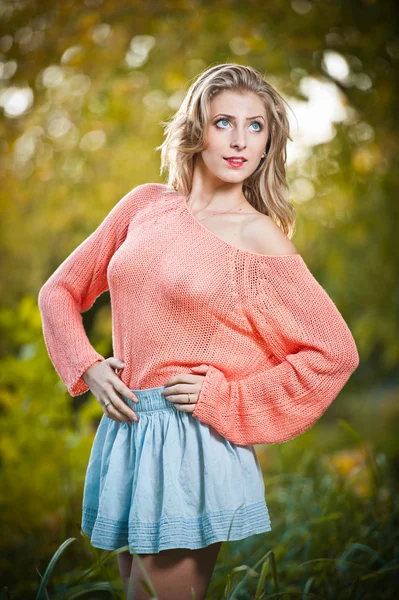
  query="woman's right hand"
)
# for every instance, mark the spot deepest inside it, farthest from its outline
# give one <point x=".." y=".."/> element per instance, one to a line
<point x="104" y="385"/>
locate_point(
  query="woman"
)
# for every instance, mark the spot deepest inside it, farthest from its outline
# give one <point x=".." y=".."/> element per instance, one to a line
<point x="222" y="338"/>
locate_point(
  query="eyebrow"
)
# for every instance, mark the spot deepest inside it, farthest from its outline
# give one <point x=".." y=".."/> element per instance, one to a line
<point x="232" y="116"/>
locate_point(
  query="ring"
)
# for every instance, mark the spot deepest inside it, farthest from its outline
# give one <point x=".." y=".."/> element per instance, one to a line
<point x="107" y="404"/>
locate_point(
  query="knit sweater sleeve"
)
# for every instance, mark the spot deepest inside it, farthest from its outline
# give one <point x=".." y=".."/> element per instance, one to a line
<point x="73" y="288"/>
<point x="314" y="351"/>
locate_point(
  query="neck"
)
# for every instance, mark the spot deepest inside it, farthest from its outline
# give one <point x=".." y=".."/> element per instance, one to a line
<point x="199" y="200"/>
<point x="211" y="194"/>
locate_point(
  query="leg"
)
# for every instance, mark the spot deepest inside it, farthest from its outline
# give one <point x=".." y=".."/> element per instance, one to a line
<point x="175" y="572"/>
<point x="125" y="560"/>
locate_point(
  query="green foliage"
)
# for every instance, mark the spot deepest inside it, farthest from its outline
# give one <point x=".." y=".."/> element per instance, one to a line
<point x="44" y="446"/>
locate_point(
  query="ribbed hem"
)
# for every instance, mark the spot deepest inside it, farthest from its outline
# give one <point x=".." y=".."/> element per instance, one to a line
<point x="78" y="386"/>
<point x="176" y="532"/>
<point x="209" y="397"/>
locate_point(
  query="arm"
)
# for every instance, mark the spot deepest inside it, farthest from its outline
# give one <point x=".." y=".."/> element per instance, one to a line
<point x="74" y="287"/>
<point x="297" y="320"/>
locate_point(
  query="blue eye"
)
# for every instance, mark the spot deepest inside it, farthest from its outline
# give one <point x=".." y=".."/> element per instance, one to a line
<point x="226" y="121"/>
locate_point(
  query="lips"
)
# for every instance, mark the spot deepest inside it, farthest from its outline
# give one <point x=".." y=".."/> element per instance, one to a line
<point x="235" y="159"/>
<point x="235" y="163"/>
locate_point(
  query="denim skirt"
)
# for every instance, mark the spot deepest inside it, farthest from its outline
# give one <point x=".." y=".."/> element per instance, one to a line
<point x="169" y="481"/>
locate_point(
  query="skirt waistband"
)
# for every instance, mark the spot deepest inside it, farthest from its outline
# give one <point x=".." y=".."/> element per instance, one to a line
<point x="150" y="400"/>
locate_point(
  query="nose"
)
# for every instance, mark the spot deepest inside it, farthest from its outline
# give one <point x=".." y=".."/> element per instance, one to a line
<point x="238" y="140"/>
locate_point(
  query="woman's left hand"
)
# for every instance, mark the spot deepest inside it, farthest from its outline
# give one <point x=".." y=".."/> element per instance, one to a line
<point x="178" y="387"/>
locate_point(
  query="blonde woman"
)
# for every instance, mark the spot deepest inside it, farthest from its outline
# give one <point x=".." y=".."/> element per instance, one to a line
<point x="222" y="339"/>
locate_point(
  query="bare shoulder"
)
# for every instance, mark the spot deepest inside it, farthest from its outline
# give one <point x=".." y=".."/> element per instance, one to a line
<point x="267" y="237"/>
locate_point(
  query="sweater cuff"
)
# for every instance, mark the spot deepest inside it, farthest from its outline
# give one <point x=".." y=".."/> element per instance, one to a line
<point x="79" y="386"/>
<point x="206" y="408"/>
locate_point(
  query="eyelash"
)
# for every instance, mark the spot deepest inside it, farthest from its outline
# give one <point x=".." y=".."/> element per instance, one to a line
<point x="224" y="119"/>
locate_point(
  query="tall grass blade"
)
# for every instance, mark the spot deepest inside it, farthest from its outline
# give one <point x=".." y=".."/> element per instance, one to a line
<point x="42" y="588"/>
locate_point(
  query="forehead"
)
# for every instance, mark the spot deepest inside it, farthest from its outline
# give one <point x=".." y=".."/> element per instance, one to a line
<point x="233" y="102"/>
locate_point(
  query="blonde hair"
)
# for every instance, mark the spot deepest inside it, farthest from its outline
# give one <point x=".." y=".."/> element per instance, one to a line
<point x="185" y="136"/>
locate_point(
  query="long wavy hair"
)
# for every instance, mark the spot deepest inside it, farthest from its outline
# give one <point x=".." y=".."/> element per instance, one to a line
<point x="185" y="136"/>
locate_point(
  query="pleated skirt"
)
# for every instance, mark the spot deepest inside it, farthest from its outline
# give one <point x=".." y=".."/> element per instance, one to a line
<point x="169" y="481"/>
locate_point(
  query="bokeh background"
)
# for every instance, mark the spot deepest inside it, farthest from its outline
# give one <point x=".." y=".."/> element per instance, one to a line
<point x="84" y="87"/>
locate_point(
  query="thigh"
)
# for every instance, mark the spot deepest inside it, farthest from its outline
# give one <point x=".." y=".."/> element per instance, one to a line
<point x="175" y="573"/>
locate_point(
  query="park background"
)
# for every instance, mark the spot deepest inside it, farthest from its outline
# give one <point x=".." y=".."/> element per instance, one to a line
<point x="84" y="87"/>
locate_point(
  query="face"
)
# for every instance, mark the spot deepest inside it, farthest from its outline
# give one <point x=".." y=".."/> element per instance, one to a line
<point x="237" y="127"/>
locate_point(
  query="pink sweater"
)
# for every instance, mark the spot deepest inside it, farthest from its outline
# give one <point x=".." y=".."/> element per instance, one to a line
<point x="278" y="348"/>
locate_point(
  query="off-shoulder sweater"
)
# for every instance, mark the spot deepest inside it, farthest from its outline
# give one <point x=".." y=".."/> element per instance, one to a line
<point x="278" y="349"/>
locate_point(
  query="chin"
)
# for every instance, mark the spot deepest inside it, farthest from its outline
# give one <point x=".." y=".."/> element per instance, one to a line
<point x="231" y="175"/>
<point x="233" y="179"/>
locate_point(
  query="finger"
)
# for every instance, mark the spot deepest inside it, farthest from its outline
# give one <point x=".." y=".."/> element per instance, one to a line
<point x="117" y="415"/>
<point x="202" y="368"/>
<point x="122" y="406"/>
<point x="114" y="362"/>
<point x="185" y="378"/>
<point x="179" y="393"/>
<point x="112" y="410"/>
<point x="181" y="398"/>
<point x="188" y="408"/>
<point x="113" y="414"/>
<point x="123" y="389"/>
<point x="120" y="387"/>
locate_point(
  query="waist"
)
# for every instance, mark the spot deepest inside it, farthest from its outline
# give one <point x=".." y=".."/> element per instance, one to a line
<point x="150" y="400"/>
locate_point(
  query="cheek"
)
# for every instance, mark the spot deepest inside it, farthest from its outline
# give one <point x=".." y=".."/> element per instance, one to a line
<point x="213" y="145"/>
<point x="216" y="141"/>
<point x="210" y="158"/>
<point x="214" y="150"/>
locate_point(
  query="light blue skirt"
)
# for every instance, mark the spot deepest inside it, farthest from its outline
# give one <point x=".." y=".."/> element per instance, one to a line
<point x="169" y="481"/>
